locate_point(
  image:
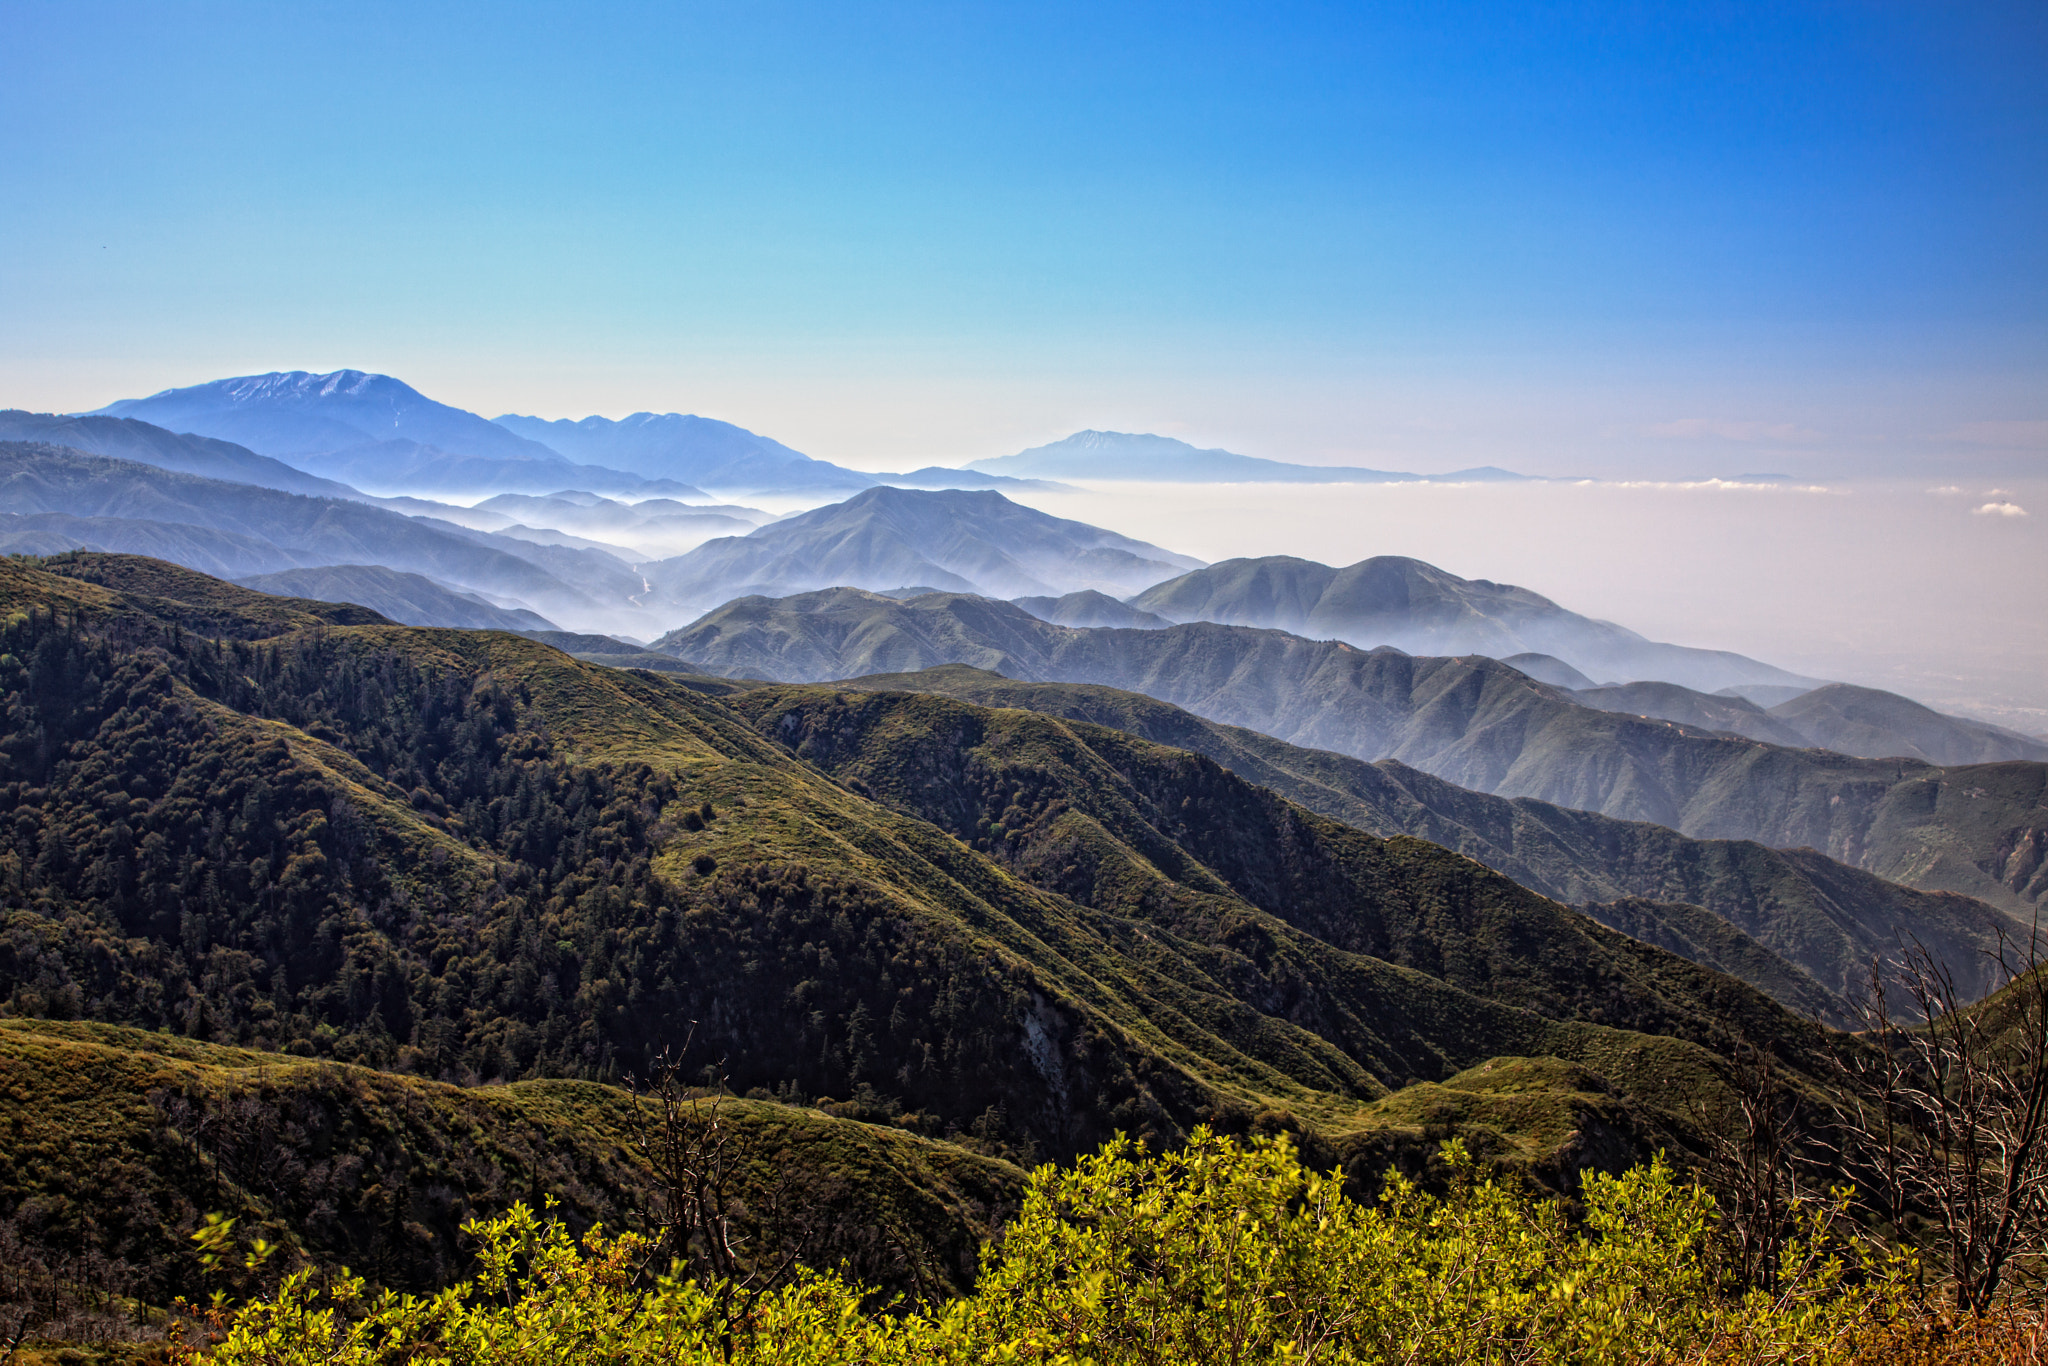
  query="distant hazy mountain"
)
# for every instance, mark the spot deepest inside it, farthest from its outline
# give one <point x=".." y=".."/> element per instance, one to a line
<point x="887" y="537"/>
<point x="1880" y="724"/>
<point x="1090" y="608"/>
<point x="370" y="431"/>
<point x="129" y="439"/>
<point x="698" y="450"/>
<point x="650" y="529"/>
<point x="1126" y="455"/>
<point x="1549" y="669"/>
<point x="299" y="531"/>
<point x="1413" y="606"/>
<point x="408" y="599"/>
<point x="1733" y="715"/>
<point x="1981" y="830"/>
<point x="939" y="477"/>
<point x="288" y="413"/>
<point x="582" y="643"/>
<point x="1796" y="925"/>
<point x="1839" y="716"/>
<point x="224" y="554"/>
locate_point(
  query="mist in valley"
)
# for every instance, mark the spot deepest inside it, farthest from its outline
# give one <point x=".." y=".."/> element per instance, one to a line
<point x="1904" y="584"/>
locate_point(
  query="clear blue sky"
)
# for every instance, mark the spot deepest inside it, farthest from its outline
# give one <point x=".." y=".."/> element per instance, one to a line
<point x="1554" y="236"/>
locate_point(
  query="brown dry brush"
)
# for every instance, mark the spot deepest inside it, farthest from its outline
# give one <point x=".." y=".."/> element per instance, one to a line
<point x="1946" y="1118"/>
<point x="729" y="1213"/>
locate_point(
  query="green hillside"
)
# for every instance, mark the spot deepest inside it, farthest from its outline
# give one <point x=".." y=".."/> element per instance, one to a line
<point x="400" y="876"/>
<point x="1796" y="924"/>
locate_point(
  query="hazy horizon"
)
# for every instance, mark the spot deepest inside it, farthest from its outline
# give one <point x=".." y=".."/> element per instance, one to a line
<point x="1597" y="241"/>
<point x="1647" y="247"/>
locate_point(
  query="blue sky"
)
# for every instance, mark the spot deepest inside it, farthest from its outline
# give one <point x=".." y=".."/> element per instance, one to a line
<point x="1601" y="238"/>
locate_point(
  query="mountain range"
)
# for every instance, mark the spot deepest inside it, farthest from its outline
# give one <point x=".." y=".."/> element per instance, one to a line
<point x="974" y="541"/>
<point x="697" y="450"/>
<point x="239" y="530"/>
<point x="1981" y="830"/>
<point x="1795" y="924"/>
<point x="467" y="854"/>
<point x="1866" y="722"/>
<point x="1141" y="456"/>
<point x="1416" y="607"/>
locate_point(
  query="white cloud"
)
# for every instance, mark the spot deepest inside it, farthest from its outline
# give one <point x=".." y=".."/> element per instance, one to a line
<point x="1946" y="488"/>
<point x="2001" y="510"/>
<point x="1710" y="485"/>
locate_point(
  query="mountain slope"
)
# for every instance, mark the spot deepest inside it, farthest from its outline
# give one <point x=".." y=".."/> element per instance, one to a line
<point x="1125" y="455"/>
<point x="1088" y="608"/>
<point x="306" y="531"/>
<point x="696" y="450"/>
<point x="1981" y="830"/>
<point x="1413" y="606"/>
<point x="129" y="439"/>
<point x="1796" y="925"/>
<point x="1706" y="711"/>
<point x="121" y="1141"/>
<point x="1880" y="724"/>
<point x="886" y="538"/>
<point x="408" y="599"/>
<point x="465" y="854"/>
<point x="224" y="554"/>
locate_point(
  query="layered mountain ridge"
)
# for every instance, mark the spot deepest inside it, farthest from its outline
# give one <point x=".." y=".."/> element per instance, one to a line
<point x="1419" y="608"/>
<point x="1981" y="830"/>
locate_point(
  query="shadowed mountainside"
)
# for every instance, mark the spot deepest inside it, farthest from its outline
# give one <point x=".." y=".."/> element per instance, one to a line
<point x="123" y="1140"/>
<point x="1813" y="924"/>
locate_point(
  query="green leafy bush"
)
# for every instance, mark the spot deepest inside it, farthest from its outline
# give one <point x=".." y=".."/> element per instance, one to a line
<point x="1213" y="1253"/>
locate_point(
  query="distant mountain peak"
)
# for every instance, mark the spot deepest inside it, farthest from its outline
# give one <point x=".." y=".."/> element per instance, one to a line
<point x="1147" y="456"/>
<point x="294" y="414"/>
<point x="701" y="451"/>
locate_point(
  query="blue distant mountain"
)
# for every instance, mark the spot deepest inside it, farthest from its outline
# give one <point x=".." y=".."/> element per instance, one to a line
<point x="697" y="450"/>
<point x="294" y="413"/>
<point x="1142" y="456"/>
<point x="373" y="432"/>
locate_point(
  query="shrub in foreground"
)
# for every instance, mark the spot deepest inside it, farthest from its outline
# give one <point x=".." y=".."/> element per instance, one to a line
<point x="1215" y="1253"/>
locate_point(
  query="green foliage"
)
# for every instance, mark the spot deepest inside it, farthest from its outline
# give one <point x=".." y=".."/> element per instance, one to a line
<point x="1214" y="1253"/>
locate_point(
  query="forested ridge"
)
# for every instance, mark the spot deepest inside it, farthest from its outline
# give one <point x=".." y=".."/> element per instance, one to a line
<point x="394" y="860"/>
